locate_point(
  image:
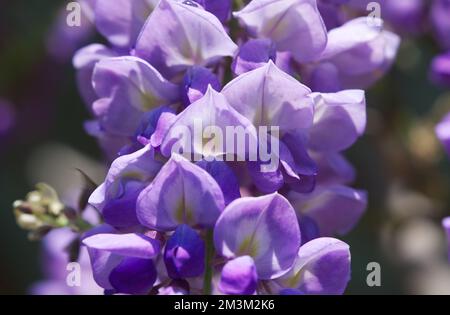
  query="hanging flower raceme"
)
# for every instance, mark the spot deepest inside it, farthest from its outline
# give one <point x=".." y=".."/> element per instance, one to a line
<point x="227" y="171"/>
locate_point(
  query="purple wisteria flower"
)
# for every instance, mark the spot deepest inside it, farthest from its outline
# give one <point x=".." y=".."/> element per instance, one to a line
<point x="446" y="225"/>
<point x="443" y="132"/>
<point x="440" y="69"/>
<point x="195" y="107"/>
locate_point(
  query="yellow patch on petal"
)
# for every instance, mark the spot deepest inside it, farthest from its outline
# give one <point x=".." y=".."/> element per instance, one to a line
<point x="248" y="247"/>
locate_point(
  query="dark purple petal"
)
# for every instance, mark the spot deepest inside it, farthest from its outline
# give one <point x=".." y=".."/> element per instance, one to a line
<point x="266" y="182"/>
<point x="224" y="177"/>
<point x="127" y="176"/>
<point x="133" y="276"/>
<point x="103" y="263"/>
<point x="405" y="16"/>
<point x="446" y="225"/>
<point x="254" y="54"/>
<point x="184" y="255"/>
<point x="196" y="82"/>
<point x="220" y="8"/>
<point x="440" y="69"/>
<point x="291" y="292"/>
<point x="264" y="228"/>
<point x="154" y="125"/>
<point x="7" y="117"/>
<point x="443" y="132"/>
<point x="121" y="211"/>
<point x="308" y="229"/>
<point x="239" y="277"/>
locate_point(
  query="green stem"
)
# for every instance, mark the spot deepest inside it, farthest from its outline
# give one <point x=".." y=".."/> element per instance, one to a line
<point x="208" y="263"/>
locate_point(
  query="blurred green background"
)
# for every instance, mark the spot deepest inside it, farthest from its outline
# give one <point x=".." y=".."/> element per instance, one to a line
<point x="398" y="161"/>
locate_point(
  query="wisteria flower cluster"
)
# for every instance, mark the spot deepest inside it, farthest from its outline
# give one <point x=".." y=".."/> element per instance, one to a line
<point x="183" y="214"/>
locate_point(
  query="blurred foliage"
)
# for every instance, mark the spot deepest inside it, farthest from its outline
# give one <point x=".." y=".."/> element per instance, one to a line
<point x="48" y="109"/>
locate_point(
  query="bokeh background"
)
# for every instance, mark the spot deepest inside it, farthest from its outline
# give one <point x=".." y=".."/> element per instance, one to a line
<point x="399" y="160"/>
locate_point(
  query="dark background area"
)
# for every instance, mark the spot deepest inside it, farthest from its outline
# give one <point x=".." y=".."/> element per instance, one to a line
<point x="399" y="149"/>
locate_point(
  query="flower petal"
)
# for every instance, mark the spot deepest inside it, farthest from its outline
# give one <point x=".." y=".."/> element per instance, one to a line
<point x="184" y="255"/>
<point x="339" y="119"/>
<point x="446" y="225"/>
<point x="220" y="8"/>
<point x="127" y="176"/>
<point x="132" y="245"/>
<point x="322" y="267"/>
<point x="254" y="54"/>
<point x="294" y="25"/>
<point x="264" y="228"/>
<point x="269" y="97"/>
<point x="133" y="276"/>
<point x="120" y="21"/>
<point x="335" y="209"/>
<point x="225" y="178"/>
<point x="239" y="276"/>
<point x="443" y="132"/>
<point x="187" y="134"/>
<point x="127" y="87"/>
<point x="187" y="35"/>
<point x="182" y="193"/>
<point x="361" y="52"/>
<point x="196" y="82"/>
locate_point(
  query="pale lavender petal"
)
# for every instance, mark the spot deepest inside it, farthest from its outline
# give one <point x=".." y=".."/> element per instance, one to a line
<point x="182" y="193"/>
<point x="294" y="25"/>
<point x="212" y="112"/>
<point x="361" y="52"/>
<point x="130" y="245"/>
<point x="269" y="97"/>
<point x="84" y="61"/>
<point x="322" y="267"/>
<point x="127" y="87"/>
<point x="334" y="169"/>
<point x="335" y="209"/>
<point x="187" y="35"/>
<point x="339" y="119"/>
<point x="264" y="228"/>
<point x="120" y="21"/>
